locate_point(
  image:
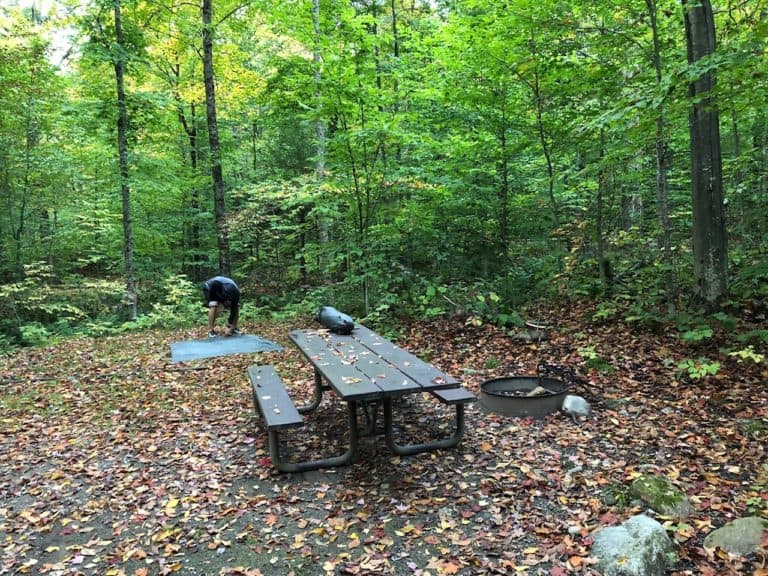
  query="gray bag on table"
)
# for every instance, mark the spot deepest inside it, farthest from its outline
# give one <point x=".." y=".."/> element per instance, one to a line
<point x="337" y="322"/>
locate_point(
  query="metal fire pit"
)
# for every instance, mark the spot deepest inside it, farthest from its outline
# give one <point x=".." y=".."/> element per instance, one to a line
<point x="509" y="395"/>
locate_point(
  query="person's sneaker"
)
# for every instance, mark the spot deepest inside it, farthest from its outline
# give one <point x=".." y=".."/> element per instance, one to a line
<point x="235" y="332"/>
<point x="211" y="334"/>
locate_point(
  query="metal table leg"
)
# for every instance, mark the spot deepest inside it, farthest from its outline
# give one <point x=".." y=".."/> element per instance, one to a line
<point x="370" y="412"/>
<point x="408" y="449"/>
<point x="341" y="460"/>
<point x="317" y="395"/>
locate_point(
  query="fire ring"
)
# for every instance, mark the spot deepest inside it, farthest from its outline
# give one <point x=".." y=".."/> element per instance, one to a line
<point x="523" y="395"/>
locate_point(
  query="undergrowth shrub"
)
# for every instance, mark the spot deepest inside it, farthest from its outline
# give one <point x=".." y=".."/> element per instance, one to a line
<point x="179" y="303"/>
<point x="42" y="307"/>
<point x="749" y="273"/>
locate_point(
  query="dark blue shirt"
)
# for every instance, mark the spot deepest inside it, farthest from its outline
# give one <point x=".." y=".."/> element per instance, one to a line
<point x="224" y="291"/>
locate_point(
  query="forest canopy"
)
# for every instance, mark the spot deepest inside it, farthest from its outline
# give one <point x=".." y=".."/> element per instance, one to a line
<point x="414" y="157"/>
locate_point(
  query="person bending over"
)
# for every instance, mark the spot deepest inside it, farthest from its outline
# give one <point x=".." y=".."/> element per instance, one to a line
<point x="221" y="293"/>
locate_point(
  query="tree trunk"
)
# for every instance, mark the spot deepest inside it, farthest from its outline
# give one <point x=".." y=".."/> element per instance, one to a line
<point x="395" y="35"/>
<point x="395" y="43"/>
<point x="538" y="100"/>
<point x="710" y="252"/>
<point x="302" y="215"/>
<point x="322" y="222"/>
<point x="759" y="162"/>
<point x="376" y="56"/>
<point x="192" y="228"/>
<point x="760" y="154"/>
<point x="213" y="139"/>
<point x="255" y="134"/>
<point x="504" y="188"/>
<point x="18" y="228"/>
<point x="195" y="240"/>
<point x="602" y="260"/>
<point x="738" y="174"/>
<point x="122" y="146"/>
<point x="662" y="162"/>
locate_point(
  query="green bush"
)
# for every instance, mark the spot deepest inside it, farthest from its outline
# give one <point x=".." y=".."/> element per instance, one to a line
<point x="42" y="306"/>
<point x="698" y="369"/>
<point x="7" y="345"/>
<point x="35" y="334"/>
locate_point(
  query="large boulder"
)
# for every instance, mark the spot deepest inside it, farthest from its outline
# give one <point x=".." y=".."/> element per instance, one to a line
<point x="740" y="537"/>
<point x="638" y="547"/>
<point x="662" y="496"/>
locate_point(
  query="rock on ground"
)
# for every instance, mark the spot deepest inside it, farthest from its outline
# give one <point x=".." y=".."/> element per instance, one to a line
<point x="662" y="496"/>
<point x="740" y="537"/>
<point x="638" y="547"/>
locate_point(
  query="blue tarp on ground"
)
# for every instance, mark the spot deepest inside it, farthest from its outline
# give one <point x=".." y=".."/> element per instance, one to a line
<point x="221" y="346"/>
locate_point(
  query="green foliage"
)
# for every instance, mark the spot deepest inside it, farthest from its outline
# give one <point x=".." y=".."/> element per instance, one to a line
<point x="725" y="321"/>
<point x="605" y="311"/>
<point x="7" y="345"/>
<point x="477" y="301"/>
<point x="748" y="353"/>
<point x="697" y="334"/>
<point x="433" y="301"/>
<point x="755" y="428"/>
<point x="42" y="308"/>
<point x="176" y="302"/>
<point x="594" y="359"/>
<point x="623" y="307"/>
<point x="34" y="334"/>
<point x="698" y="369"/>
<point x="475" y="159"/>
<point x="488" y="306"/>
<point x="756" y="505"/>
<point x="695" y="328"/>
<point x="647" y="317"/>
<point x="510" y="319"/>
<point x="759" y="335"/>
<point x="619" y="495"/>
<point x="750" y="266"/>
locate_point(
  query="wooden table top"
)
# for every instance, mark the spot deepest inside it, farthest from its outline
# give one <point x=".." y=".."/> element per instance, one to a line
<point x="365" y="365"/>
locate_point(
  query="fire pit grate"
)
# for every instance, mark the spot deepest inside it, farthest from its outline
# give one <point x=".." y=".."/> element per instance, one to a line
<point x="534" y="396"/>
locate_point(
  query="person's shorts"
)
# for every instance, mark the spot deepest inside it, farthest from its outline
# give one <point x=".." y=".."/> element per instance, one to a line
<point x="213" y="304"/>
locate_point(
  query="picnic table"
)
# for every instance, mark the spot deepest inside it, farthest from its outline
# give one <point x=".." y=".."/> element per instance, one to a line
<point x="367" y="372"/>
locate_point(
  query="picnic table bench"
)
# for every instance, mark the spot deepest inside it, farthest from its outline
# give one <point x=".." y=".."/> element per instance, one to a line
<point x="366" y="371"/>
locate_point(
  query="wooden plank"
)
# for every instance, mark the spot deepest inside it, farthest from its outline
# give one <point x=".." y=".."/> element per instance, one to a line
<point x="343" y="376"/>
<point x="384" y="375"/>
<point x="416" y="369"/>
<point x="272" y="399"/>
<point x="454" y="395"/>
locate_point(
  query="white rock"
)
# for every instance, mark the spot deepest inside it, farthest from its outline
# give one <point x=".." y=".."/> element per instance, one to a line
<point x="638" y="547"/>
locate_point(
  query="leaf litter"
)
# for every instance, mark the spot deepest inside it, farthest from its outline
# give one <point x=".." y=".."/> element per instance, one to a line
<point x="118" y="462"/>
